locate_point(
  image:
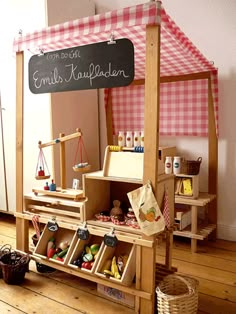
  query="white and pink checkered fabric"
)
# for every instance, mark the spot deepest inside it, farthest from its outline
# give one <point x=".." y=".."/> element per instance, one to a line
<point x="183" y="108"/>
<point x="183" y="104"/>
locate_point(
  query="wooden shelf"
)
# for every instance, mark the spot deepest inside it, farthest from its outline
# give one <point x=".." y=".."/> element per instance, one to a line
<point x="195" y="232"/>
<point x="201" y="234"/>
<point x="202" y="200"/>
<point x="98" y="175"/>
<point x="73" y="194"/>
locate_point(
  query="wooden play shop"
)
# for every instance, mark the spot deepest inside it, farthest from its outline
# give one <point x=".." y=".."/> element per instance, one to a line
<point x="164" y="62"/>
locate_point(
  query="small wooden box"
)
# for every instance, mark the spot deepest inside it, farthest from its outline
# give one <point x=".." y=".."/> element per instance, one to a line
<point x="127" y="164"/>
<point x="182" y="218"/>
<point x="122" y="248"/>
<point x="116" y="295"/>
<point x="60" y="235"/>
<point x="78" y="249"/>
<point x="192" y="180"/>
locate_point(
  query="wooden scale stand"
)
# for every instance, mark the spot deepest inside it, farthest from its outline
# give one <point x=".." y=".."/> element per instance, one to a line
<point x="41" y="173"/>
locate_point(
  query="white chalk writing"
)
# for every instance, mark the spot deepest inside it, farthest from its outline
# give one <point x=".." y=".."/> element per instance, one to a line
<point x="73" y="73"/>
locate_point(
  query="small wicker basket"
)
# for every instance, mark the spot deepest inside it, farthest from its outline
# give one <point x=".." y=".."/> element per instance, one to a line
<point x="14" y="265"/>
<point x="191" y="167"/>
<point x="4" y="249"/>
<point x="177" y="295"/>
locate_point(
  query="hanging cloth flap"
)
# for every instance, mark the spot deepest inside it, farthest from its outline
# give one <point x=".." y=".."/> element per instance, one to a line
<point x="146" y="209"/>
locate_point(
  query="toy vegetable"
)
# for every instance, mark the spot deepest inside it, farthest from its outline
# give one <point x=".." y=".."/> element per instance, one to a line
<point x="50" y="248"/>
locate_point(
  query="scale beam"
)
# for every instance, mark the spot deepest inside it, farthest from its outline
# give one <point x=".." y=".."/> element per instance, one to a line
<point x="60" y="139"/>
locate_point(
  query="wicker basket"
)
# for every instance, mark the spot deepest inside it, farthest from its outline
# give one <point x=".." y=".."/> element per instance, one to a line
<point x="14" y="265"/>
<point x="191" y="167"/>
<point x="4" y="249"/>
<point x="177" y="295"/>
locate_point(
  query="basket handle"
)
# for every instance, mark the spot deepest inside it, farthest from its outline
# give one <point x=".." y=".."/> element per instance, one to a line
<point x="199" y="159"/>
<point x="190" y="289"/>
<point x="6" y="248"/>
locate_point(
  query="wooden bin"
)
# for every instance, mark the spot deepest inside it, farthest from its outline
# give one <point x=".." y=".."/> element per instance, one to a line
<point x="179" y="185"/>
<point x="122" y="248"/>
<point x="60" y="235"/>
<point x="79" y="248"/>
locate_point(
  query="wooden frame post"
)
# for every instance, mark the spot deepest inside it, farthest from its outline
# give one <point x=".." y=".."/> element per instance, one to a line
<point x="21" y="224"/>
<point x="212" y="157"/>
<point x="151" y="144"/>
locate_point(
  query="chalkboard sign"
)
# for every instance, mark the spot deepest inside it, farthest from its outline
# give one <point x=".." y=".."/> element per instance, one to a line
<point x="52" y="226"/>
<point x="83" y="233"/>
<point x="92" y="66"/>
<point x="110" y="240"/>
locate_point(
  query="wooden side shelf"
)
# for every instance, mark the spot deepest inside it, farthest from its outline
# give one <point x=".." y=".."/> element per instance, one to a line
<point x="195" y="232"/>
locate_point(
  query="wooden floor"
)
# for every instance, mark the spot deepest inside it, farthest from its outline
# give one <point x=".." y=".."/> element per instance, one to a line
<point x="214" y="266"/>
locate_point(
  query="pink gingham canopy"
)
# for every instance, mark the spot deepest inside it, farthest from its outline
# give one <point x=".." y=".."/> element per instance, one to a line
<point x="184" y="107"/>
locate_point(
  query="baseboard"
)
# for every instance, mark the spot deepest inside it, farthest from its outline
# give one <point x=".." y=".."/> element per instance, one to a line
<point x="226" y="232"/>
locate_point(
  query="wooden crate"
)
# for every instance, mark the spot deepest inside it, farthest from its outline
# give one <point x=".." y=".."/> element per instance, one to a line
<point x="126" y="164"/>
<point x="182" y="218"/>
<point x="179" y="185"/>
<point x="78" y="249"/>
<point x="60" y="235"/>
<point x="122" y="248"/>
<point x="116" y="295"/>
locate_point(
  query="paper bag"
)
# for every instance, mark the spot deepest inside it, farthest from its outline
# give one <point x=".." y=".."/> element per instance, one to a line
<point x="146" y="209"/>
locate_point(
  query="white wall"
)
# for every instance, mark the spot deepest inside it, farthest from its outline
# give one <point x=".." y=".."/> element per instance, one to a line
<point x="211" y="26"/>
<point x="26" y="15"/>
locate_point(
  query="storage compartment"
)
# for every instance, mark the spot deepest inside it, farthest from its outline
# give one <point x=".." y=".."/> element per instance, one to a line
<point x="48" y="206"/>
<point x="123" y="253"/>
<point x="101" y="193"/>
<point x="86" y="251"/>
<point x="187" y="185"/>
<point x="60" y="236"/>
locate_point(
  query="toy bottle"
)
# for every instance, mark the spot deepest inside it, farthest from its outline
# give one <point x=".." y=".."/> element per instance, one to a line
<point x="137" y="139"/>
<point x="142" y="138"/>
<point x="168" y="165"/>
<point x="177" y="165"/>
<point x="121" y="139"/>
<point x="129" y="139"/>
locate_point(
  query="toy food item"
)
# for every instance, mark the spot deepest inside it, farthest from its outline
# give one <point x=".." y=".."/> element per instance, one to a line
<point x="63" y="245"/>
<point x="51" y="252"/>
<point x="106" y="268"/>
<point x="114" y="268"/>
<point x="88" y="257"/>
<point x="94" y="248"/>
<point x="121" y="262"/>
<point x="50" y="247"/>
<point x="116" y="210"/>
<point x="63" y="252"/>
